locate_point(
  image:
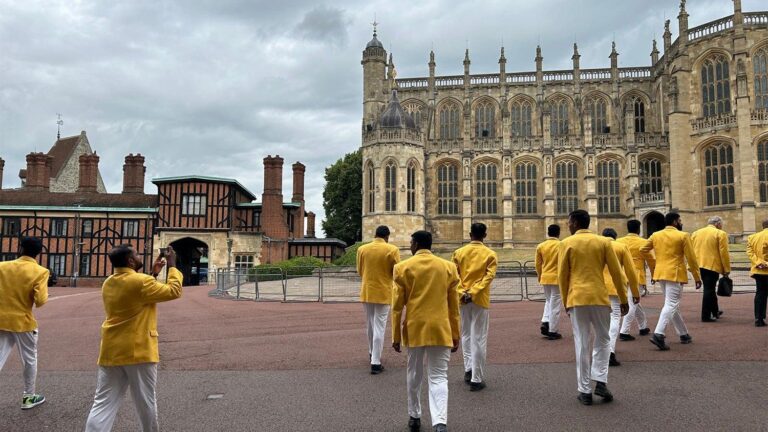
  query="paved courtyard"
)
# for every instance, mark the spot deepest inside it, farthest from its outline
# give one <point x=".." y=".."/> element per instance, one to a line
<point x="274" y="366"/>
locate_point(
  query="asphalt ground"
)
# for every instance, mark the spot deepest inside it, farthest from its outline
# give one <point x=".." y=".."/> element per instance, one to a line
<point x="303" y="366"/>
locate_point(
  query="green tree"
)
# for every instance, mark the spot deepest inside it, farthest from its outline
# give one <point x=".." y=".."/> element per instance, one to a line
<point x="342" y="198"/>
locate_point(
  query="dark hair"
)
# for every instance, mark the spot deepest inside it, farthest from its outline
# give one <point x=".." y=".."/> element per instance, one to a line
<point x="31" y="246"/>
<point x="478" y="230"/>
<point x="553" y="230"/>
<point x="382" y="231"/>
<point x="633" y="226"/>
<point x="119" y="255"/>
<point x="423" y="239"/>
<point x="581" y="217"/>
<point x="610" y="232"/>
<point x="671" y="218"/>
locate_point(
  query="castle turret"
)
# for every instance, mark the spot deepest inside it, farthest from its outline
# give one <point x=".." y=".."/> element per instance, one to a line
<point x="374" y="81"/>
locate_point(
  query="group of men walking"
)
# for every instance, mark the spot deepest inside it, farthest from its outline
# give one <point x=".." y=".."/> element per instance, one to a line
<point x="596" y="279"/>
<point x="444" y="301"/>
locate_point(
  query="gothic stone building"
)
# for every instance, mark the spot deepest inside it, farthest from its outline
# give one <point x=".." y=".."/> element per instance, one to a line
<point x="520" y="150"/>
<point x="210" y="222"/>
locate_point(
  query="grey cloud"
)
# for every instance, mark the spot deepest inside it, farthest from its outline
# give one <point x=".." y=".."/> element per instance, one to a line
<point x="324" y="23"/>
<point x="212" y="86"/>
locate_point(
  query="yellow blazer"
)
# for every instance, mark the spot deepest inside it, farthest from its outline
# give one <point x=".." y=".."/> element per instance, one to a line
<point x="23" y="283"/>
<point x="546" y="261"/>
<point x="582" y="258"/>
<point x="375" y="262"/>
<point x="673" y="248"/>
<point x="757" y="251"/>
<point x="129" y="332"/>
<point x="711" y="248"/>
<point x="627" y="268"/>
<point x="427" y="286"/>
<point x="476" y="264"/>
<point x="634" y="242"/>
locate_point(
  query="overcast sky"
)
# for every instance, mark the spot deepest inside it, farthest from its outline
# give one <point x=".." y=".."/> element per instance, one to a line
<point x="212" y="86"/>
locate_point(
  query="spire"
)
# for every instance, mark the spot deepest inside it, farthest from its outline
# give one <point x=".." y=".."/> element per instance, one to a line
<point x="682" y="21"/>
<point x="576" y="54"/>
<point x="654" y="53"/>
<point x="502" y="58"/>
<point x="391" y="71"/>
<point x="539" y="58"/>
<point x="431" y="58"/>
<point x="59" y="124"/>
<point x="614" y="56"/>
<point x="466" y="61"/>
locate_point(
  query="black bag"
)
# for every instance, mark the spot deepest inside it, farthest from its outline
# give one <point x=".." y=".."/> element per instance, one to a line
<point x="725" y="287"/>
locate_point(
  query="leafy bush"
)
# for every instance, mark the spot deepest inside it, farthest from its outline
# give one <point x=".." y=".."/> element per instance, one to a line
<point x="297" y="266"/>
<point x="350" y="256"/>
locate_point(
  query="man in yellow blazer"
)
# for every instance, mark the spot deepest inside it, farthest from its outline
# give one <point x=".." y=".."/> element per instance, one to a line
<point x="757" y="250"/>
<point x="427" y="287"/>
<point x="23" y="284"/>
<point x="710" y="244"/>
<point x="476" y="264"/>
<point x="375" y="264"/>
<point x="128" y="355"/>
<point x="630" y="278"/>
<point x="545" y="262"/>
<point x="582" y="259"/>
<point x="634" y="242"/>
<point x="673" y="248"/>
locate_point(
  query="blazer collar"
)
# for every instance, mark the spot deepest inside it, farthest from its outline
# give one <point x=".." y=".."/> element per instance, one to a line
<point x="27" y="259"/>
<point x="583" y="231"/>
<point x="423" y="252"/>
<point x="124" y="270"/>
<point x="553" y="238"/>
<point x="378" y="240"/>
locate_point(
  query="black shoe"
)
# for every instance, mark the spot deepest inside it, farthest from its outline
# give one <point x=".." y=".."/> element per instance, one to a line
<point x="686" y="339"/>
<point x="554" y="336"/>
<point x="544" y="328"/>
<point x="602" y="390"/>
<point x="440" y="427"/>
<point x="645" y="332"/>
<point x="585" y="398"/>
<point x="658" y="340"/>
<point x="719" y="313"/>
<point x="709" y="319"/>
<point x="473" y="386"/>
<point x="612" y="360"/>
<point x="414" y="424"/>
<point x="760" y="323"/>
<point x="626" y="337"/>
<point x="468" y="377"/>
<point x="377" y="369"/>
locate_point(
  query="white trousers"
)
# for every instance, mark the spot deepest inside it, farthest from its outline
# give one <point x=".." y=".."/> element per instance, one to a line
<point x="474" y="339"/>
<point x="376" y="316"/>
<point x="636" y="314"/>
<point x="437" y="375"/>
<point x="112" y="383"/>
<point x="613" y="331"/>
<point x="27" y="343"/>
<point x="553" y="304"/>
<point x="585" y="319"/>
<point x="673" y="291"/>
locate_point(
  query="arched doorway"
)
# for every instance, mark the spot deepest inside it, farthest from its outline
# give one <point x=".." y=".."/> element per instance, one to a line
<point x="654" y="221"/>
<point x="192" y="260"/>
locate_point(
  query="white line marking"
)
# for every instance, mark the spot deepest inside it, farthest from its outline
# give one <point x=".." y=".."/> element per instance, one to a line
<point x="72" y="295"/>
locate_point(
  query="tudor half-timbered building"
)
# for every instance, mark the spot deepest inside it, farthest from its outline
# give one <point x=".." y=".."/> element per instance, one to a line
<point x="211" y="222"/>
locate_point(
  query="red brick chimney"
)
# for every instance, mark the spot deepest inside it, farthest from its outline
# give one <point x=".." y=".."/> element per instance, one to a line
<point x="133" y="174"/>
<point x="272" y="216"/>
<point x="2" y="168"/>
<point x="38" y="171"/>
<point x="298" y="182"/>
<point x="310" y="225"/>
<point x="89" y="173"/>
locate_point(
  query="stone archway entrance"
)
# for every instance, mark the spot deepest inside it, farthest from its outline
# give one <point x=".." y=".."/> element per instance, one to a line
<point x="192" y="260"/>
<point x="654" y="221"/>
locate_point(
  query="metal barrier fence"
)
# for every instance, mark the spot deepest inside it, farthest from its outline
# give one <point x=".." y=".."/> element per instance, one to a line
<point x="515" y="281"/>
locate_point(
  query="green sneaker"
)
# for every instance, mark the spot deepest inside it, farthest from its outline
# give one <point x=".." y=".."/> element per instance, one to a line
<point x="31" y="401"/>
